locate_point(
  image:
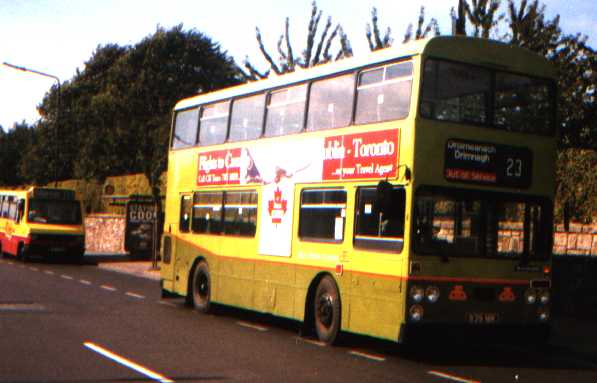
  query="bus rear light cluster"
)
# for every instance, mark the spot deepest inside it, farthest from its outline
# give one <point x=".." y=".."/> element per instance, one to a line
<point x="543" y="314"/>
<point x="430" y="294"/>
<point x="416" y="313"/>
<point x="541" y="296"/>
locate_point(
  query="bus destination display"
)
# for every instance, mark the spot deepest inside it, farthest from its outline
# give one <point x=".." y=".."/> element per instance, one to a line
<point x="490" y="164"/>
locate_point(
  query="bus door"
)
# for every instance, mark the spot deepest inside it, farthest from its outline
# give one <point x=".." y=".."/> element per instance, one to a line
<point x="175" y="236"/>
<point x="378" y="260"/>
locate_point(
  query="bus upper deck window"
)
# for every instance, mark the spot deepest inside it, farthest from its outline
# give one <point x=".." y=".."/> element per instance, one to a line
<point x="330" y="103"/>
<point x="213" y="124"/>
<point x="246" y="121"/>
<point x="185" y="128"/>
<point x="286" y="111"/>
<point x="384" y="93"/>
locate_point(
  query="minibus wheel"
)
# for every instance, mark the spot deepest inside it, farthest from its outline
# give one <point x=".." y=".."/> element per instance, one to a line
<point x="327" y="310"/>
<point x="201" y="288"/>
<point x="21" y="253"/>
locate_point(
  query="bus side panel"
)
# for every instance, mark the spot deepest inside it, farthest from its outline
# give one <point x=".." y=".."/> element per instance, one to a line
<point x="376" y="305"/>
<point x="184" y="255"/>
<point x="235" y="274"/>
<point x="274" y="286"/>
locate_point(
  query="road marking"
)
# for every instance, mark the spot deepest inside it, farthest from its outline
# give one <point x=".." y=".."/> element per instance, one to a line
<point x="134" y="295"/>
<point x="252" y="326"/>
<point x="49" y="272"/>
<point x="453" y="378"/>
<point x="85" y="282"/>
<point x="33" y="269"/>
<point x="21" y="307"/>
<point x="64" y="276"/>
<point x="109" y="288"/>
<point x="127" y="363"/>
<point x="366" y="355"/>
<point x="166" y="303"/>
<point x="310" y="341"/>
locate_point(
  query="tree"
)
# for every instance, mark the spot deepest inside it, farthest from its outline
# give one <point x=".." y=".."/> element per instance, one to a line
<point x="312" y="55"/>
<point x="422" y="32"/>
<point x="116" y="113"/>
<point x="13" y="145"/>
<point x="482" y="15"/>
<point x="376" y="41"/>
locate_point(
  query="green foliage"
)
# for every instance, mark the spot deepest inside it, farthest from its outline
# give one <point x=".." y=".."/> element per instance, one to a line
<point x="114" y="116"/>
<point x="311" y="56"/>
<point x="13" y="144"/>
<point x="577" y="185"/>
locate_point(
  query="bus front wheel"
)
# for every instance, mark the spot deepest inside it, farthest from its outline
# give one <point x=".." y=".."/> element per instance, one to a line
<point x="327" y="310"/>
<point x="201" y="288"/>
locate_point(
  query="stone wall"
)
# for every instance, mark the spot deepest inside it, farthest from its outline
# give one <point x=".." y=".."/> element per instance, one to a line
<point x="579" y="240"/>
<point x="104" y="233"/>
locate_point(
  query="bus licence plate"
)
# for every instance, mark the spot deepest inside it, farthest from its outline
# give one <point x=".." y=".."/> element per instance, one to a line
<point x="482" y="318"/>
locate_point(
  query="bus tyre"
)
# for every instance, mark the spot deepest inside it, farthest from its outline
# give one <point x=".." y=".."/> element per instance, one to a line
<point x="327" y="310"/>
<point x="22" y="254"/>
<point x="201" y="286"/>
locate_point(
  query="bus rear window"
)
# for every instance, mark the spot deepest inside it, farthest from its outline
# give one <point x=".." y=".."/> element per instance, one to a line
<point x="470" y="94"/>
<point x="481" y="225"/>
<point x="522" y="104"/>
<point x="455" y="92"/>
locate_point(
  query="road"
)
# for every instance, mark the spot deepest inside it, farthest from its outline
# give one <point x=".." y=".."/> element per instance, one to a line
<point x="82" y="323"/>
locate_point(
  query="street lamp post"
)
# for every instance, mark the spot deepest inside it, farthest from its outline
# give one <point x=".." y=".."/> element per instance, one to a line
<point x="23" y="69"/>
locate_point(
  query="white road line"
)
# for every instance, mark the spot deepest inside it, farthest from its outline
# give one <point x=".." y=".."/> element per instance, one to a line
<point x="166" y="303"/>
<point x="49" y="272"/>
<point x="310" y="341"/>
<point x="453" y="378"/>
<point x="366" y="355"/>
<point x="138" y="296"/>
<point x="85" y="282"/>
<point x="251" y="326"/>
<point x="64" y="276"/>
<point x="127" y="363"/>
<point x="109" y="288"/>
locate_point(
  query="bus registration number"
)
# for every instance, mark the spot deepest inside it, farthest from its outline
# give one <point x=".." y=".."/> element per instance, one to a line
<point x="481" y="318"/>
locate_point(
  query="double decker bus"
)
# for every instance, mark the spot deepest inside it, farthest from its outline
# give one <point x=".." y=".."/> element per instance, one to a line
<point x="41" y="222"/>
<point x="406" y="190"/>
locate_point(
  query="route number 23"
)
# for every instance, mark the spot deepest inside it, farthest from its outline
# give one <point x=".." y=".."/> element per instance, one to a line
<point x="513" y="167"/>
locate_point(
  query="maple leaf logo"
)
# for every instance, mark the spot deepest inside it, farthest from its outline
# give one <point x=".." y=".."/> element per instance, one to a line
<point x="277" y="207"/>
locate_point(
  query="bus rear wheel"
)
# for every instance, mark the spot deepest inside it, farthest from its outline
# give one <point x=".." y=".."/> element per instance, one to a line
<point x="327" y="310"/>
<point x="201" y="288"/>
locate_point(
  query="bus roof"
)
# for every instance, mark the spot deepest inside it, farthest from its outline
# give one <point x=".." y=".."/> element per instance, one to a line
<point x="471" y="50"/>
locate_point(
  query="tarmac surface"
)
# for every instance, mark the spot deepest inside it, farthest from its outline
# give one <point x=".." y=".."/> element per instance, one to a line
<point x="577" y="337"/>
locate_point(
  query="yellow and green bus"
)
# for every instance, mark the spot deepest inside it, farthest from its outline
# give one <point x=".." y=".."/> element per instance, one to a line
<point x="407" y="189"/>
<point x="41" y="222"/>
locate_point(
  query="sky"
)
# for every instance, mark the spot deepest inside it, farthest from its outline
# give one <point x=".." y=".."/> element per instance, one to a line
<point x="57" y="36"/>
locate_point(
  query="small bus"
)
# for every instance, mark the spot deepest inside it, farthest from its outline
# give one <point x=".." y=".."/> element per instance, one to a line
<point x="41" y="222"/>
<point x="385" y="195"/>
